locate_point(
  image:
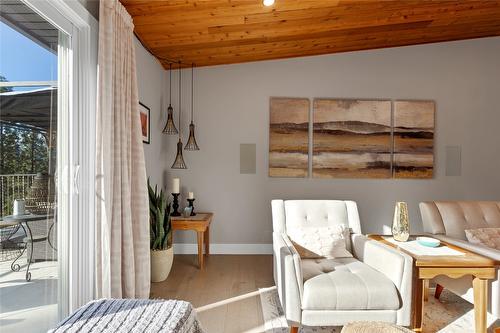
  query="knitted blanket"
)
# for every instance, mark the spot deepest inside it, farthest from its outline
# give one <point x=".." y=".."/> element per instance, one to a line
<point x="132" y="315"/>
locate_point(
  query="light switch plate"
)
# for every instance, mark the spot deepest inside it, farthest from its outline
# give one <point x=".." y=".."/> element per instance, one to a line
<point x="453" y="160"/>
<point x="248" y="158"/>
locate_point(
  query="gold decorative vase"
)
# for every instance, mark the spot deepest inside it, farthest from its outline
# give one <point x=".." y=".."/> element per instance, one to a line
<point x="401" y="222"/>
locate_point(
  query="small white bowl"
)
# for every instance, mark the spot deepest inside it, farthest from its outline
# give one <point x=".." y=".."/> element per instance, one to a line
<point x="428" y="241"/>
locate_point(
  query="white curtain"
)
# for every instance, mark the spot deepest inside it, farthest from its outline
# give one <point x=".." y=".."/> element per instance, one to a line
<point x="122" y="212"/>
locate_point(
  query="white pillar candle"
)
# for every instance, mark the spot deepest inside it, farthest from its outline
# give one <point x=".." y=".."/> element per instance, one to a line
<point x="19" y="207"/>
<point x="176" y="185"/>
<point x="190" y="195"/>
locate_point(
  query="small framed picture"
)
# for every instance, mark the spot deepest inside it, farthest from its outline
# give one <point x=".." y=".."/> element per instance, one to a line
<point x="145" y="123"/>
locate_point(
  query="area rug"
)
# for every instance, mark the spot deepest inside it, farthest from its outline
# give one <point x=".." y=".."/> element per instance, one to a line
<point x="450" y="314"/>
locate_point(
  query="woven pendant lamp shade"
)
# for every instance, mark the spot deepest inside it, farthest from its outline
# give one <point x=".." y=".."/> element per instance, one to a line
<point x="191" y="143"/>
<point x="179" y="159"/>
<point x="170" y="126"/>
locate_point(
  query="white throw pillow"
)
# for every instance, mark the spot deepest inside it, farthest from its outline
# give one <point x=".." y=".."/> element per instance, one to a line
<point x="489" y="237"/>
<point x="322" y="242"/>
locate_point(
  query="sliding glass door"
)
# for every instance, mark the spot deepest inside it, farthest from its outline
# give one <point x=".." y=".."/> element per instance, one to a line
<point x="38" y="165"/>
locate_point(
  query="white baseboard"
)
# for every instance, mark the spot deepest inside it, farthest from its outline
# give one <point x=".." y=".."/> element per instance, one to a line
<point x="182" y="248"/>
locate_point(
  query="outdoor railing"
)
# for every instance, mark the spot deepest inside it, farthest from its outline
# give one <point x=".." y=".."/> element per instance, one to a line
<point x="13" y="187"/>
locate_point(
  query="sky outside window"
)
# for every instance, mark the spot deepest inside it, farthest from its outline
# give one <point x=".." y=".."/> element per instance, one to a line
<point x="21" y="59"/>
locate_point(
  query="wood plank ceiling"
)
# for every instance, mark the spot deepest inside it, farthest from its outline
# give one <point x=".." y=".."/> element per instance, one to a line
<point x="213" y="32"/>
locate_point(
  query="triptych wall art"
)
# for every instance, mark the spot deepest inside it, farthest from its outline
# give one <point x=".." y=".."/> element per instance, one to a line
<point x="289" y="137"/>
<point x="352" y="138"/>
<point x="413" y="139"/>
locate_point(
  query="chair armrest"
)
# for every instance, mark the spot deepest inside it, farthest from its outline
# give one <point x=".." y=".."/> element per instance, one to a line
<point x="476" y="248"/>
<point x="396" y="265"/>
<point x="288" y="276"/>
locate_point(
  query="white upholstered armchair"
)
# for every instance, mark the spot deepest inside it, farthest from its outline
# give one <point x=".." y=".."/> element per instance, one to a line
<point x="373" y="285"/>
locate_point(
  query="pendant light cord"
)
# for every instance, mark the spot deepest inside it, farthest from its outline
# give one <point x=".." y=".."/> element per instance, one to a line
<point x="180" y="82"/>
<point x="170" y="86"/>
<point x="192" y="92"/>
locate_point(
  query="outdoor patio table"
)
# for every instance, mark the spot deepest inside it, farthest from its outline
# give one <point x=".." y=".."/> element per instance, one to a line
<point x="25" y="220"/>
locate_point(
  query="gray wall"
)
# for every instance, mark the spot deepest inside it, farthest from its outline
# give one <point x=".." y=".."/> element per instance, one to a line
<point x="231" y="105"/>
<point x="92" y="6"/>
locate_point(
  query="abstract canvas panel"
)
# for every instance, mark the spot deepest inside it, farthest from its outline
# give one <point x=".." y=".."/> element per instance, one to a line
<point x="289" y="137"/>
<point x="351" y="138"/>
<point x="413" y="139"/>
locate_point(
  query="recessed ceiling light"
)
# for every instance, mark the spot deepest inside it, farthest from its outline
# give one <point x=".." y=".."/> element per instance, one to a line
<point x="268" y="3"/>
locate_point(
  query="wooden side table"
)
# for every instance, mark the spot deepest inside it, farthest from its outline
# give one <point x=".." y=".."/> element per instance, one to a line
<point x="199" y="223"/>
<point x="426" y="267"/>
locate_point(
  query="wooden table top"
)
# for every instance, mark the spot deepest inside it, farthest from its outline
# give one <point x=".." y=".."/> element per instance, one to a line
<point x="468" y="259"/>
<point x="200" y="220"/>
<point x="197" y="217"/>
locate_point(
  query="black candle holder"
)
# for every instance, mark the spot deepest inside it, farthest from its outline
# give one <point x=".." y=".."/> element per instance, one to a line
<point x="175" y="205"/>
<point x="191" y="201"/>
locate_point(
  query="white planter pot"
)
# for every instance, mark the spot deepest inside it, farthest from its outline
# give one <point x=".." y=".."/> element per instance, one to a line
<point x="161" y="263"/>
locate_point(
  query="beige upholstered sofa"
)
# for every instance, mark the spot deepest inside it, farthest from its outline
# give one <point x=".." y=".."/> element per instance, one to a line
<point x="448" y="220"/>
<point x="373" y="285"/>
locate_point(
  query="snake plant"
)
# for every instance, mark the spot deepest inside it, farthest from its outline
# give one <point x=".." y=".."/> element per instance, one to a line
<point x="160" y="228"/>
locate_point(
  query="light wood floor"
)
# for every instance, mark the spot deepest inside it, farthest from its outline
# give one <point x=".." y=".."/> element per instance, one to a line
<point x="225" y="293"/>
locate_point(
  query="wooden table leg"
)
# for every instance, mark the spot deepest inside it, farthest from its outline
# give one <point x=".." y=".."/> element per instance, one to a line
<point x="418" y="304"/>
<point x="480" y="303"/>
<point x="207" y="241"/>
<point x="426" y="290"/>
<point x="200" y="249"/>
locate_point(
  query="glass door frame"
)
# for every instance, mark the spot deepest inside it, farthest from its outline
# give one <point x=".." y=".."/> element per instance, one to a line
<point x="77" y="82"/>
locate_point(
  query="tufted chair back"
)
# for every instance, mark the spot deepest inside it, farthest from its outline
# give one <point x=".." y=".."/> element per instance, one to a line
<point x="289" y="214"/>
<point x="452" y="218"/>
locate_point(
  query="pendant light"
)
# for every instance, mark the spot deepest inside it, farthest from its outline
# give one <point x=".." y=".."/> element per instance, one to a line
<point x="170" y="126"/>
<point x="191" y="143"/>
<point x="179" y="160"/>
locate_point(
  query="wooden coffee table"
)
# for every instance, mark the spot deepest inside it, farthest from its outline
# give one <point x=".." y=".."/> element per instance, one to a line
<point x="199" y="223"/>
<point x="426" y="267"/>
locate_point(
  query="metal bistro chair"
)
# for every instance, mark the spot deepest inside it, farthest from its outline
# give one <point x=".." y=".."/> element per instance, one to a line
<point x="44" y="233"/>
